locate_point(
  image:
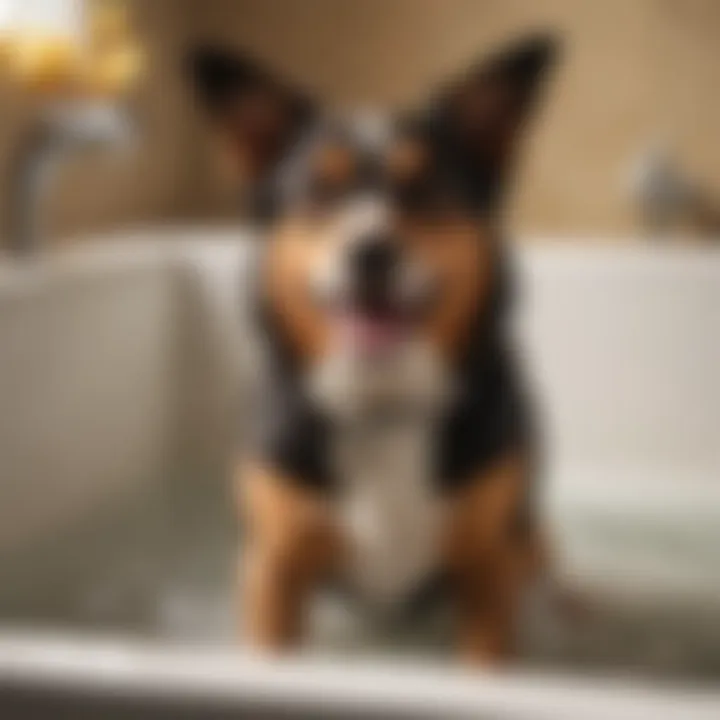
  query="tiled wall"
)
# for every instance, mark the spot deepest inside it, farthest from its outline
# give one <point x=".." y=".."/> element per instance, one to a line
<point x="635" y="70"/>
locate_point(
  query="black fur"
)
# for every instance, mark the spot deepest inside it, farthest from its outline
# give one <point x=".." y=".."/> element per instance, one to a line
<point x="470" y="130"/>
<point x="490" y="415"/>
<point x="469" y="169"/>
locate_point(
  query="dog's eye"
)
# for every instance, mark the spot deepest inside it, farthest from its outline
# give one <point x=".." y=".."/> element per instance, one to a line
<point x="413" y="182"/>
<point x="409" y="160"/>
<point x="423" y="201"/>
<point x="333" y="165"/>
<point x="321" y="198"/>
<point x="412" y="195"/>
<point x="331" y="176"/>
<point x="325" y="192"/>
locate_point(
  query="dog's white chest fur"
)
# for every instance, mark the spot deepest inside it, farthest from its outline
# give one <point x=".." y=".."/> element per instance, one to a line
<point x="390" y="512"/>
<point x="387" y="503"/>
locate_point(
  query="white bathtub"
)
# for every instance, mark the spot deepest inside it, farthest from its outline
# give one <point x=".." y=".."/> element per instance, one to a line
<point x="122" y="371"/>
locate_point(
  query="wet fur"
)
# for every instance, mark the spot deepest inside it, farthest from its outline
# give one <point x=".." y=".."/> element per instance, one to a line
<point x="478" y="544"/>
<point x="459" y="252"/>
<point x="297" y="542"/>
<point x="479" y="531"/>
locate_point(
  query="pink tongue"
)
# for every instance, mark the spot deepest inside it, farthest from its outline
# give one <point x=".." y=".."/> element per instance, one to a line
<point x="373" y="335"/>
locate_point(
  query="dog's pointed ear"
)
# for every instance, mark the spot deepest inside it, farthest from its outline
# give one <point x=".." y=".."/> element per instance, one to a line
<point x="479" y="116"/>
<point x="257" y="112"/>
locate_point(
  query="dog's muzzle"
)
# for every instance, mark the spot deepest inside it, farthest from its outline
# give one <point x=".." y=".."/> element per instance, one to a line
<point x="374" y="264"/>
<point x="374" y="291"/>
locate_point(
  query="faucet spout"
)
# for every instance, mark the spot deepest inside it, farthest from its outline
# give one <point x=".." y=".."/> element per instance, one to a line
<point x="58" y="133"/>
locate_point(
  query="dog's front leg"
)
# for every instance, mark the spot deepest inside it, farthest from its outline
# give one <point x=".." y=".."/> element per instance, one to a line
<point x="488" y="562"/>
<point x="291" y="545"/>
<point x="487" y="608"/>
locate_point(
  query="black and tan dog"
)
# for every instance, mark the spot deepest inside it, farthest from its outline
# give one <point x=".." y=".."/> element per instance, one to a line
<point x="396" y="442"/>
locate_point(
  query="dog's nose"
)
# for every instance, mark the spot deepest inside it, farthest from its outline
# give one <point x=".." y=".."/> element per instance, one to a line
<point x="374" y="258"/>
<point x="373" y="263"/>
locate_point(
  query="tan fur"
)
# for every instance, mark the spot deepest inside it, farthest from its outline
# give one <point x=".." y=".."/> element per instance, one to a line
<point x="292" y="544"/>
<point x="293" y="251"/>
<point x="334" y="163"/>
<point x="292" y="537"/>
<point x="407" y="160"/>
<point x="490" y="559"/>
<point x="459" y="253"/>
<point x="453" y="247"/>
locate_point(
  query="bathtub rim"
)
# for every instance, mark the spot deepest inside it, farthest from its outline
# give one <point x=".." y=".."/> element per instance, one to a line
<point x="208" y="677"/>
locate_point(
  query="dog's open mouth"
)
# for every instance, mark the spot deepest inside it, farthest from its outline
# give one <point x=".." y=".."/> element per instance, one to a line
<point x="375" y="333"/>
<point x="373" y="318"/>
<point x="376" y="328"/>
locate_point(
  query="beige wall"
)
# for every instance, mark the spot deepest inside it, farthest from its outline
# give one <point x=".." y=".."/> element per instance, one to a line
<point x="634" y="69"/>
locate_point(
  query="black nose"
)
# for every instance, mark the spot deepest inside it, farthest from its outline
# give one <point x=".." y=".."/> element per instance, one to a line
<point x="373" y="261"/>
<point x="374" y="258"/>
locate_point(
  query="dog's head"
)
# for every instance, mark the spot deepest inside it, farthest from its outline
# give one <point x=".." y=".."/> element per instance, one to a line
<point x="380" y="228"/>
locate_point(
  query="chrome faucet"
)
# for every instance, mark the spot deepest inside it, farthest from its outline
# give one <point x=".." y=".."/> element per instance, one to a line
<point x="59" y="131"/>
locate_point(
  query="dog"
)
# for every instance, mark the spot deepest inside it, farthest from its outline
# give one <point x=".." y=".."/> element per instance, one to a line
<point x="396" y="447"/>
